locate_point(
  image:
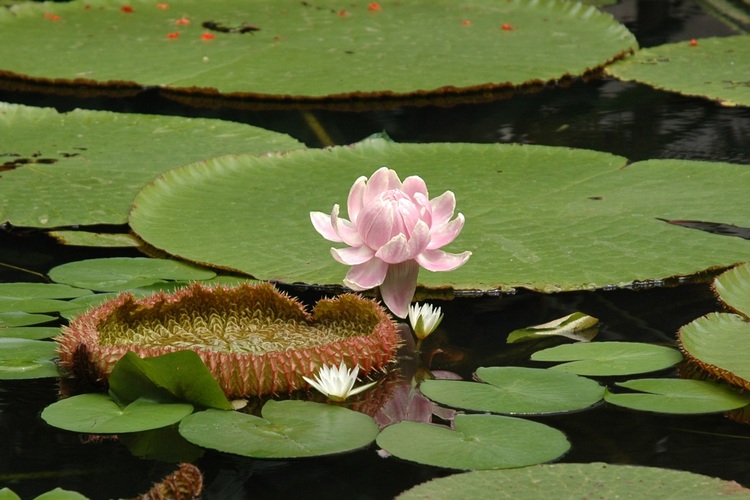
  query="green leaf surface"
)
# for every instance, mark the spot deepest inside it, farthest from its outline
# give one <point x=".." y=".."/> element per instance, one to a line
<point x="19" y="318"/>
<point x="594" y="480"/>
<point x="117" y="274"/>
<point x="714" y="68"/>
<point x="720" y="342"/>
<point x="61" y="494"/>
<point x="733" y="288"/>
<point x="8" y="494"/>
<point x="83" y="304"/>
<point x="90" y="239"/>
<point x="576" y="326"/>
<point x="478" y="442"/>
<point x="516" y="390"/>
<point x="25" y="359"/>
<point x="85" y="167"/>
<point x="358" y="52"/>
<point x="30" y="332"/>
<point x="680" y="396"/>
<point x="180" y="375"/>
<point x="609" y="358"/>
<point x="37" y="297"/>
<point x="513" y="197"/>
<point x="98" y="414"/>
<point x="288" y="429"/>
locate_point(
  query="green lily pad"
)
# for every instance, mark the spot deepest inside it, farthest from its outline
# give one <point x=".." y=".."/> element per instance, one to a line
<point x="720" y="343"/>
<point x="576" y="326"/>
<point x="37" y="297"/>
<point x="609" y="358"/>
<point x="123" y="273"/>
<point x="359" y="51"/>
<point x="714" y="68"/>
<point x="25" y="359"/>
<point x="516" y="390"/>
<point x="478" y="442"/>
<point x="681" y="396"/>
<point x="20" y="318"/>
<point x="85" y="167"/>
<point x="178" y="375"/>
<point x="30" y="332"/>
<point x="61" y="494"/>
<point x="89" y="239"/>
<point x="83" y="304"/>
<point x="98" y="414"/>
<point x="288" y="429"/>
<point x="733" y="288"/>
<point x="513" y="198"/>
<point x="594" y="480"/>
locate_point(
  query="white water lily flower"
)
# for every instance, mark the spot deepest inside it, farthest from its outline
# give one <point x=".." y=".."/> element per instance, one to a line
<point x="337" y="383"/>
<point x="424" y="319"/>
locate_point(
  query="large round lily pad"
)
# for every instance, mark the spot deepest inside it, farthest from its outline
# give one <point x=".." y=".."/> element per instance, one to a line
<point x="85" y="167"/>
<point x="288" y="428"/>
<point x="359" y="50"/>
<point x="715" y="68"/>
<point x="733" y="288"/>
<point x="594" y="480"/>
<point x="477" y="442"/>
<point x="516" y="390"/>
<point x="539" y="217"/>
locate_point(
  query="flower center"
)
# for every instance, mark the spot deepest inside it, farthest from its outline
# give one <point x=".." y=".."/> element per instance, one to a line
<point x="391" y="213"/>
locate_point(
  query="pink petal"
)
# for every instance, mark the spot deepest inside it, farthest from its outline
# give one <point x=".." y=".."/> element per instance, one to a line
<point x="415" y="184"/>
<point x="384" y="179"/>
<point x="322" y="224"/>
<point x="355" y="202"/>
<point x="346" y="231"/>
<point x="424" y="207"/>
<point x="437" y="260"/>
<point x="442" y="208"/>
<point x="420" y="239"/>
<point x="395" y="251"/>
<point x="442" y="235"/>
<point x="352" y="256"/>
<point x="398" y="287"/>
<point x="366" y="275"/>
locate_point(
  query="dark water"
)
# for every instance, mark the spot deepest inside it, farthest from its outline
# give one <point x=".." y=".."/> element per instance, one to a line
<point x="627" y="119"/>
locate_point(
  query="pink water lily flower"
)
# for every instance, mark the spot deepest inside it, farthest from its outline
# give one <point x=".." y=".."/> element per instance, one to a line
<point x="393" y="229"/>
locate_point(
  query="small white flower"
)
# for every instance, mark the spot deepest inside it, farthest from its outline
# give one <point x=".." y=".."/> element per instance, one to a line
<point x="337" y="383"/>
<point x="424" y="319"/>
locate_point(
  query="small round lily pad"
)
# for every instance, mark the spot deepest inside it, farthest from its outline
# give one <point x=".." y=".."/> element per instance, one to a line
<point x="24" y="359"/>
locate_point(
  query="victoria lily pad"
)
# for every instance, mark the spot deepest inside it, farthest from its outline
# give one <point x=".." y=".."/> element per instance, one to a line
<point x="20" y="318"/>
<point x="24" y="358"/>
<point x="609" y="358"/>
<point x="683" y="396"/>
<point x="733" y="288"/>
<point x="594" y="480"/>
<point x="29" y="332"/>
<point x="287" y="429"/>
<point x="85" y="167"/>
<point x="720" y="344"/>
<point x="122" y="273"/>
<point x="477" y="442"/>
<point x="516" y="390"/>
<point x="359" y="51"/>
<point x="513" y="198"/>
<point x="99" y="414"/>
<point x="37" y="297"/>
<point x="715" y="68"/>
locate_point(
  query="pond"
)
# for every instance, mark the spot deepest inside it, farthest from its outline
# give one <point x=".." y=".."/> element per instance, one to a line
<point x="628" y="119"/>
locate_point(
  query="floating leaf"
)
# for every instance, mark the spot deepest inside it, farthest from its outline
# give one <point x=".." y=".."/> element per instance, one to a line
<point x="179" y="375"/>
<point x="98" y="414"/>
<point x="609" y="358"/>
<point x="37" y="297"/>
<point x="24" y="359"/>
<point x="720" y="344"/>
<point x="577" y="326"/>
<point x="358" y="53"/>
<point x="61" y="494"/>
<point x="30" y="332"/>
<point x="478" y="442"/>
<point x="288" y="428"/>
<point x="18" y="318"/>
<point x="122" y="273"/>
<point x="682" y="396"/>
<point x="733" y="288"/>
<point x="513" y="198"/>
<point x="715" y="68"/>
<point x="516" y="390"/>
<point x="83" y="304"/>
<point x="594" y="480"/>
<point x="85" y="167"/>
<point x="88" y="239"/>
